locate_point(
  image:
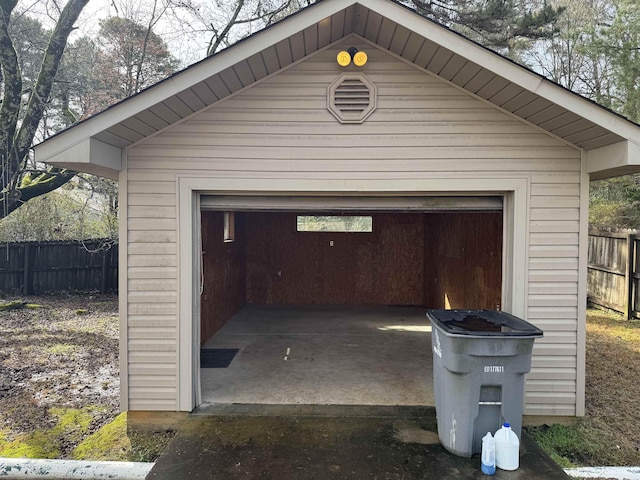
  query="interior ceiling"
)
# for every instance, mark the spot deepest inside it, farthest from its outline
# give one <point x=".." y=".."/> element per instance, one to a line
<point x="389" y="35"/>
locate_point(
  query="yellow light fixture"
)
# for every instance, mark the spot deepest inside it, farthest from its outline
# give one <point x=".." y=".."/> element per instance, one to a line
<point x="345" y="57"/>
<point x="360" y="59"/>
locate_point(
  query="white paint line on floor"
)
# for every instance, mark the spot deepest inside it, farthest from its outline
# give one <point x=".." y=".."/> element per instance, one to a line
<point x="16" y="468"/>
<point x="286" y="356"/>
<point x="620" y="473"/>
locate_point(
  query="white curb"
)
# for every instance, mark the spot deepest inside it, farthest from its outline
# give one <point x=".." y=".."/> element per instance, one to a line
<point x="11" y="468"/>
<point x="620" y="473"/>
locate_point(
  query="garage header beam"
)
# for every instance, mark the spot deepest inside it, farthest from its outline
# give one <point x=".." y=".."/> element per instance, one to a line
<point x="350" y="203"/>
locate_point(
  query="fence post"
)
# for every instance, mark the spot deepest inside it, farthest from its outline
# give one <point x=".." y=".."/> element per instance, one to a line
<point x="628" y="276"/>
<point x="103" y="282"/>
<point x="25" y="272"/>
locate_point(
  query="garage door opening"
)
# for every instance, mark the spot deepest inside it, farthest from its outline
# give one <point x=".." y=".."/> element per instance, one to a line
<point x="318" y="308"/>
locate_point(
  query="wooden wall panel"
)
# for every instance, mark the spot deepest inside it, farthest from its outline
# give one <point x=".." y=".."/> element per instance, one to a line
<point x="224" y="273"/>
<point x="463" y="260"/>
<point x="289" y="267"/>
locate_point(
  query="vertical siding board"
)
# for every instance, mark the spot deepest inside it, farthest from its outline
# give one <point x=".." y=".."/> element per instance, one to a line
<point x="297" y="46"/>
<point x="257" y="66"/>
<point x="399" y="40"/>
<point x="303" y="147"/>
<point x="337" y="25"/>
<point x="374" y="23"/>
<point x="310" y="40"/>
<point x="388" y="32"/>
<point x="413" y="47"/>
<point x="359" y="20"/>
<point x="283" y="50"/>
<point x="324" y="34"/>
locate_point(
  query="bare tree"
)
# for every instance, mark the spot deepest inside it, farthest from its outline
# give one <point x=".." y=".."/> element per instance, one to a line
<point x="569" y="58"/>
<point x="227" y="21"/>
<point x="22" y="111"/>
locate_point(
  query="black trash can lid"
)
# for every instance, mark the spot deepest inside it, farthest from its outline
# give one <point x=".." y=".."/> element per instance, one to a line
<point x="484" y="323"/>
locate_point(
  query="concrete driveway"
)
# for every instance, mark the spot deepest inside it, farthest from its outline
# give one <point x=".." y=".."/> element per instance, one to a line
<point x="298" y="442"/>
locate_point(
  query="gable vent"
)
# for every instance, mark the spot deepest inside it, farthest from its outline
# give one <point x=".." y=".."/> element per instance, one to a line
<point x="351" y="98"/>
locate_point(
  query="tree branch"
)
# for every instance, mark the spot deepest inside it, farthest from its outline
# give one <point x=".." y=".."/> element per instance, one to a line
<point x="50" y="63"/>
<point x="34" y="186"/>
<point x="152" y="22"/>
<point x="214" y="45"/>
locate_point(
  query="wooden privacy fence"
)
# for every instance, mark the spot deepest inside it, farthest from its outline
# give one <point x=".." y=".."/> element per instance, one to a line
<point x="49" y="267"/>
<point x="613" y="268"/>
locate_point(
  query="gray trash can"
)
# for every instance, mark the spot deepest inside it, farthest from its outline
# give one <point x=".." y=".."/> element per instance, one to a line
<point x="480" y="358"/>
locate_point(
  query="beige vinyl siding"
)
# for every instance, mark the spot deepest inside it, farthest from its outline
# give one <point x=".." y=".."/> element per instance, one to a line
<point x="422" y="128"/>
<point x="152" y="294"/>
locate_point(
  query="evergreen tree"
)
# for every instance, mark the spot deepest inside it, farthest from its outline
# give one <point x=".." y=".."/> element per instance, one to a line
<point x="502" y="25"/>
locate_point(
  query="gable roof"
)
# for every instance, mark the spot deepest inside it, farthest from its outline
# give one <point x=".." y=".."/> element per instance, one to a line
<point x="95" y="145"/>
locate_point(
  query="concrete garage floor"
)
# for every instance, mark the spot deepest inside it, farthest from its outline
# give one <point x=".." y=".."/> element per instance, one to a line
<point x="339" y="355"/>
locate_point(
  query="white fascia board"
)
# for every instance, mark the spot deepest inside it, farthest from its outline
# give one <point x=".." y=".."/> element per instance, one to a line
<point x="506" y="69"/>
<point x="194" y="74"/>
<point x="89" y="156"/>
<point x="619" y="157"/>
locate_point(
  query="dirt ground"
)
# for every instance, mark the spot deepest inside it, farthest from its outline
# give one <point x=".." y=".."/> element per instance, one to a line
<point x="59" y="379"/>
<point x="613" y="386"/>
<point x="608" y="434"/>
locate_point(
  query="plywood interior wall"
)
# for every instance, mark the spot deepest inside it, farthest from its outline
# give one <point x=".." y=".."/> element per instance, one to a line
<point x="224" y="268"/>
<point x="463" y="260"/>
<point x="384" y="267"/>
<point x="436" y="260"/>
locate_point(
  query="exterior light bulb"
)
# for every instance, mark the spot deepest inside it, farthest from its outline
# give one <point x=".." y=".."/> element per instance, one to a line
<point x="360" y="59"/>
<point x="344" y="58"/>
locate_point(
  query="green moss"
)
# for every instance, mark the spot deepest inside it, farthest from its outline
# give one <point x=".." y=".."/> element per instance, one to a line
<point x="113" y="443"/>
<point x="15" y="305"/>
<point x="61" y="349"/>
<point x="148" y="446"/>
<point x="71" y="425"/>
<point x="33" y="445"/>
<point x="109" y="443"/>
<point x="72" y="420"/>
<point x="82" y="311"/>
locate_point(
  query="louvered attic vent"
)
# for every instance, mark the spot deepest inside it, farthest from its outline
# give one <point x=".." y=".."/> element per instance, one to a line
<point x="351" y="98"/>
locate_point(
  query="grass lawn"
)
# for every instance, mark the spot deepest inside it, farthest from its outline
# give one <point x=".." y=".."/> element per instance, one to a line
<point x="609" y="433"/>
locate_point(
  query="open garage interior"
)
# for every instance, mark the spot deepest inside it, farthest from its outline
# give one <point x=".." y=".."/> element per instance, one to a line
<point x="328" y="307"/>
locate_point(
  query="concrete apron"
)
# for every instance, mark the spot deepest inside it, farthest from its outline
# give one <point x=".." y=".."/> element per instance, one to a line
<point x="297" y="442"/>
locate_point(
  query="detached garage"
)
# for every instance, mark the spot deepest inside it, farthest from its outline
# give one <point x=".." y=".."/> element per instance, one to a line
<point x="302" y="203"/>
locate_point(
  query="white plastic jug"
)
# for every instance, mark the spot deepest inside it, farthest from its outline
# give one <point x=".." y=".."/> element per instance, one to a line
<point x="488" y="457"/>
<point x="507" y="448"/>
